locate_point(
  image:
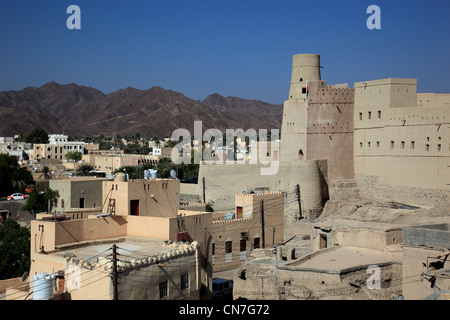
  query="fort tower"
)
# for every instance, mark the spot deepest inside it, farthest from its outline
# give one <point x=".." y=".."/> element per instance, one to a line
<point x="305" y="68"/>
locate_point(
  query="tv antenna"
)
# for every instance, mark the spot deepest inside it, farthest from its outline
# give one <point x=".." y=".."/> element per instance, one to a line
<point x="113" y="123"/>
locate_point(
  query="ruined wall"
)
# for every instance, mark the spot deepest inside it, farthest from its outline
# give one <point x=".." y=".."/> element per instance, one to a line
<point x="258" y="279"/>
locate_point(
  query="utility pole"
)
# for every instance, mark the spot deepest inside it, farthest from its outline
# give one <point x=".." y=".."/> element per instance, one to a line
<point x="115" y="272"/>
<point x="299" y="203"/>
<point x="204" y="197"/>
<point x="263" y="226"/>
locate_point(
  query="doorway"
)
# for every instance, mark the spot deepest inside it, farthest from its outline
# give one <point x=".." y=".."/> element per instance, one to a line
<point x="323" y="241"/>
<point x="134" y="207"/>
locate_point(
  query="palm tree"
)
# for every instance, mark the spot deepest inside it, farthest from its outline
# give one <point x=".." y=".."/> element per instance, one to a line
<point x="46" y="171"/>
<point x="84" y="169"/>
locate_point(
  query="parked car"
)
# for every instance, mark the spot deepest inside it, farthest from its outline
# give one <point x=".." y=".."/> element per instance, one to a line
<point x="222" y="288"/>
<point x="17" y="196"/>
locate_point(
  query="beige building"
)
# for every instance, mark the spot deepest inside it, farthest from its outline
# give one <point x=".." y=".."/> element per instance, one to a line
<point x="344" y="260"/>
<point x="76" y="255"/>
<point x="402" y="139"/>
<point x="78" y="193"/>
<point x="110" y="161"/>
<point x="257" y="222"/>
<point x="56" y="149"/>
<point x="141" y="197"/>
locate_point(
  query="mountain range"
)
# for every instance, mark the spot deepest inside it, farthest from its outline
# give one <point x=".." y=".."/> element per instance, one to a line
<point x="85" y="112"/>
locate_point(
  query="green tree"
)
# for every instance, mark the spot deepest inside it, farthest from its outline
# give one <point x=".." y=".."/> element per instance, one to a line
<point x="37" y="135"/>
<point x="39" y="200"/>
<point x="74" y="155"/>
<point x="12" y="176"/>
<point x="164" y="166"/>
<point x="83" y="170"/>
<point x="132" y="171"/>
<point x="14" y="249"/>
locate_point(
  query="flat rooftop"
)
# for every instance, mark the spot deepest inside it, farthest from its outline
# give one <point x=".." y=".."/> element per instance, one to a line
<point x="128" y="248"/>
<point x="342" y="258"/>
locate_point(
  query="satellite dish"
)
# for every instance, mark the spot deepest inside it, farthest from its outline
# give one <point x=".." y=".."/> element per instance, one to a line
<point x="173" y="174"/>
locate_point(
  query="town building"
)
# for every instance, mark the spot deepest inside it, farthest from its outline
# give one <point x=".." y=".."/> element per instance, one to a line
<point x="80" y="195"/>
<point x="57" y="148"/>
<point x="141" y="197"/>
<point x="344" y="260"/>
<point x="76" y="257"/>
<point x="257" y="222"/>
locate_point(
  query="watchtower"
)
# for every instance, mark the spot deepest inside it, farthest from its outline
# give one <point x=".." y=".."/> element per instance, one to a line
<point x="305" y="67"/>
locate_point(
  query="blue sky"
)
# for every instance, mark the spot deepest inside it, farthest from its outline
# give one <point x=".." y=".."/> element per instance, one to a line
<point x="234" y="48"/>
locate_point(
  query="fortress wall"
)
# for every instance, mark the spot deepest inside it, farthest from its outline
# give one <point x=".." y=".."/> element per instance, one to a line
<point x="433" y="100"/>
<point x="293" y="130"/>
<point x="330" y="128"/>
<point x="223" y="181"/>
<point x="404" y="145"/>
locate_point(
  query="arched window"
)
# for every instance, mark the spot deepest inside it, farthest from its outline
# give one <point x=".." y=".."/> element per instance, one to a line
<point x="300" y="154"/>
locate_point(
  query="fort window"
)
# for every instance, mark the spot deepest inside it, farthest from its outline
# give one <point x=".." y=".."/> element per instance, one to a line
<point x="360" y="116"/>
<point x="228" y="250"/>
<point x="256" y="242"/>
<point x="428" y="138"/>
<point x="438" y="147"/>
<point x="239" y="212"/>
<point x="378" y="144"/>
<point x="379" y="114"/>
<point x="412" y="145"/>
<point x="163" y="292"/>
<point x="243" y="252"/>
<point x="392" y="144"/>
<point x="301" y="79"/>
<point x="368" y="144"/>
<point x="402" y="144"/>
<point x="300" y="154"/>
<point x="184" y="279"/>
<point x="303" y="90"/>
<point x="427" y="147"/>
<point x="370" y="115"/>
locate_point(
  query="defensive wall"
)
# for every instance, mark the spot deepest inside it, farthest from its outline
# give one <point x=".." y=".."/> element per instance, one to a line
<point x="222" y="181"/>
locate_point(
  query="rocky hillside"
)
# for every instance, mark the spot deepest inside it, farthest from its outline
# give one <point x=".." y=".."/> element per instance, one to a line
<point x="82" y="111"/>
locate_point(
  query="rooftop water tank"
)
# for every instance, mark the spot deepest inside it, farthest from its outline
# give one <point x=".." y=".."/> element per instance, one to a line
<point x="120" y="176"/>
<point x="43" y="286"/>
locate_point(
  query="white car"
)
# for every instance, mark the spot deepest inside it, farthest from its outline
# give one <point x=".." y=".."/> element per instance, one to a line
<point x="17" y="196"/>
